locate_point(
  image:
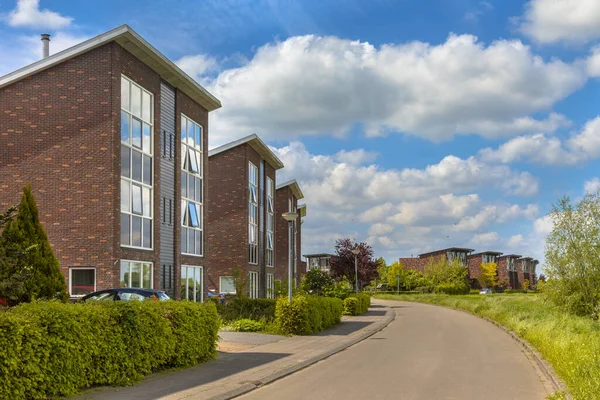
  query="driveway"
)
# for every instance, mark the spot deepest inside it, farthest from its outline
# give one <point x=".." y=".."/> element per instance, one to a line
<point x="427" y="352"/>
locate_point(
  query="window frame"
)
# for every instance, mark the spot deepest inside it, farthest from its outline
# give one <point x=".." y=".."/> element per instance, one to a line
<point x="199" y="148"/>
<point x="270" y="224"/>
<point x="149" y="263"/>
<point x="270" y="285"/>
<point x="253" y="285"/>
<point x="252" y="207"/>
<point x="221" y="284"/>
<point x="131" y="182"/>
<point x="201" y="268"/>
<point x="71" y="280"/>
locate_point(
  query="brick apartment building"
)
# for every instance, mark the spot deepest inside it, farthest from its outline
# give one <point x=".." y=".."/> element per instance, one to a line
<point x="286" y="200"/>
<point x="512" y="268"/>
<point x="112" y="136"/>
<point x="242" y="216"/>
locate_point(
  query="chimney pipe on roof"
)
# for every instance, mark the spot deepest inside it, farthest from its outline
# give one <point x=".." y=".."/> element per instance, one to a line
<point x="46" y="44"/>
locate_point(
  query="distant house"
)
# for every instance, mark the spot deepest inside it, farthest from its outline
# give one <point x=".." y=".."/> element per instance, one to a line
<point x="450" y="254"/>
<point x="507" y="266"/>
<point x="320" y="261"/>
<point x="474" y="262"/>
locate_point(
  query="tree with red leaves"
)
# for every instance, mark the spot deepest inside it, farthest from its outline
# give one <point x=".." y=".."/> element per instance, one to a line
<point x="343" y="264"/>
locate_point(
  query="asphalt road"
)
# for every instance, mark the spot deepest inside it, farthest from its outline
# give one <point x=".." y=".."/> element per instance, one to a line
<point x="427" y="352"/>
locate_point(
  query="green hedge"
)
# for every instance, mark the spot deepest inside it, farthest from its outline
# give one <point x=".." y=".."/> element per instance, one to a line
<point x="51" y="349"/>
<point x="247" y="325"/>
<point x="244" y="308"/>
<point x="307" y="314"/>
<point x="357" y="306"/>
<point x="451" y="288"/>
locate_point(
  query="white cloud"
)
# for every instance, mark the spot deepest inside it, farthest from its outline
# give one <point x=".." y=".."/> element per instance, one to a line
<point x="380" y="229"/>
<point x="356" y="157"/>
<point x="482" y="8"/>
<point x="515" y="241"/>
<point x="548" y="150"/>
<point x="486" y="239"/>
<point x="197" y="66"/>
<point x="27" y="13"/>
<point x="543" y="225"/>
<point x="550" y="21"/>
<point x="592" y="186"/>
<point x="311" y="85"/>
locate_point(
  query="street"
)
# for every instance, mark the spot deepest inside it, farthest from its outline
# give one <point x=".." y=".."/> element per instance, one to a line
<point x="427" y="352"/>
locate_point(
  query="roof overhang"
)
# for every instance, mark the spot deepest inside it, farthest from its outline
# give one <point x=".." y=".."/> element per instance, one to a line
<point x="257" y="144"/>
<point x="135" y="44"/>
<point x="294" y="187"/>
<point x="511" y="256"/>
<point x="459" y="249"/>
<point x="302" y="210"/>
<point x="493" y="253"/>
<point x="318" y="255"/>
<point x="525" y="259"/>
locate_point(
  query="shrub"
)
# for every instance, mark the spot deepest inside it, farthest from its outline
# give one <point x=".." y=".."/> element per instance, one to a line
<point x="316" y="281"/>
<point x="452" y="288"/>
<point x="357" y="306"/>
<point x="513" y="291"/>
<point x="246" y="325"/>
<point x="51" y="349"/>
<point x="245" y="308"/>
<point x="306" y="315"/>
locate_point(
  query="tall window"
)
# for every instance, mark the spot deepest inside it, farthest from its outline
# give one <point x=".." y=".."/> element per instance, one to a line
<point x="253" y="284"/>
<point x="252" y="214"/>
<point x="191" y="283"/>
<point x="270" y="222"/>
<point x="191" y="187"/>
<point x="136" y="165"/>
<point x="136" y="274"/>
<point x="270" y="286"/>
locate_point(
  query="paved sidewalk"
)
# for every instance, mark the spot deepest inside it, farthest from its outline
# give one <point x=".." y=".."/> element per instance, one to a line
<point x="232" y="374"/>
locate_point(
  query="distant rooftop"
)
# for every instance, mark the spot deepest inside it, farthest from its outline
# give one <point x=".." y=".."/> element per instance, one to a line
<point x="511" y="256"/>
<point x="458" y="249"/>
<point x="494" y="253"/>
<point x="257" y="144"/>
<point x="293" y="184"/>
<point x="318" y="255"/>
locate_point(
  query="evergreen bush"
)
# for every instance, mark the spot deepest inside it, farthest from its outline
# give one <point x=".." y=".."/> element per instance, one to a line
<point x="306" y="315"/>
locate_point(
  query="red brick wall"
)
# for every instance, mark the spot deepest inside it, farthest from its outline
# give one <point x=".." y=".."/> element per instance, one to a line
<point x="415" y="264"/>
<point x="474" y="265"/>
<point x="282" y="198"/>
<point x="503" y="271"/>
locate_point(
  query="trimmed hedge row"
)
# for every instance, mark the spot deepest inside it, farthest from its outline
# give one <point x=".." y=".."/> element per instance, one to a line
<point x="244" y="308"/>
<point x="357" y="306"/>
<point x="306" y="315"/>
<point x="51" y="349"/>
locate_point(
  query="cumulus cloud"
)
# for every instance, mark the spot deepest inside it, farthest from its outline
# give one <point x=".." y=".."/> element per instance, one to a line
<point x="486" y="239"/>
<point x="515" y="241"/>
<point x="551" y="21"/>
<point x="592" y="186"/>
<point x="197" y="66"/>
<point x="549" y="150"/>
<point x="311" y="85"/>
<point x="406" y="210"/>
<point x="28" y="14"/>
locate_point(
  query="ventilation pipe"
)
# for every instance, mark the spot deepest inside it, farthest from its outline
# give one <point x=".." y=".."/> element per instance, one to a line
<point x="46" y="44"/>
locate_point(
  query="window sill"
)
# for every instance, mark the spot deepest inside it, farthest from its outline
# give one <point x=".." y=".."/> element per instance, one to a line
<point x="136" y="248"/>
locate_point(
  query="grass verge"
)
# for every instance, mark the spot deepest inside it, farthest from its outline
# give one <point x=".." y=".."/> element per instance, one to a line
<point x="569" y="343"/>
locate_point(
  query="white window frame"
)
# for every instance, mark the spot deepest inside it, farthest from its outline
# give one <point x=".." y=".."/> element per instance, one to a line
<point x="270" y="285"/>
<point x="150" y="153"/>
<point x="186" y="201"/>
<point x="252" y="209"/>
<point x="253" y="286"/>
<point x="147" y="263"/>
<point x="270" y="247"/>
<point x="187" y="282"/>
<point x="71" y="269"/>
<point x="221" y="284"/>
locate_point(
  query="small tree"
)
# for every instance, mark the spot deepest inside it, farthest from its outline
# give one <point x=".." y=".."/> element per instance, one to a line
<point x="395" y="270"/>
<point x="343" y="264"/>
<point x="526" y="284"/>
<point x="573" y="256"/>
<point x="489" y="275"/>
<point x="240" y="281"/>
<point x="316" y="281"/>
<point x="24" y="239"/>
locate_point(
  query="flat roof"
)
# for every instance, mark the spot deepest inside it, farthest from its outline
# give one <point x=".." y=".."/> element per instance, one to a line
<point x="461" y="249"/>
<point x="511" y="255"/>
<point x="135" y="44"/>
<point x="302" y="210"/>
<point x="318" y="255"/>
<point x="257" y="144"/>
<point x="526" y="258"/>
<point x="494" y="253"/>
<point x="294" y="186"/>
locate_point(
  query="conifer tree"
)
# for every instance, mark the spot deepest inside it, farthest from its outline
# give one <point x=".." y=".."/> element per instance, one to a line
<point x="29" y="258"/>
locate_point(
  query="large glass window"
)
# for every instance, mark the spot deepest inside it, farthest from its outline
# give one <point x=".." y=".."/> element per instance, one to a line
<point x="252" y="214"/>
<point x="82" y="281"/>
<point x="136" y="165"/>
<point x="227" y="284"/>
<point x="270" y="286"/>
<point x="191" y="283"/>
<point x="270" y="222"/>
<point x="253" y="284"/>
<point x="136" y="274"/>
<point x="191" y="187"/>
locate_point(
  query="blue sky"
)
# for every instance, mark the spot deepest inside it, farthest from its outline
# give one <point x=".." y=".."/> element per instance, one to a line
<point x="410" y="124"/>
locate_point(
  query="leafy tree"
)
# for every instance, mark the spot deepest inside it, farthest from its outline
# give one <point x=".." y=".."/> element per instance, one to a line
<point x="316" y="281"/>
<point x="240" y="282"/>
<point x="395" y="270"/>
<point x="489" y="275"/>
<point x="542" y="278"/>
<point x="526" y="284"/>
<point x="343" y="264"/>
<point x="573" y="256"/>
<point x="33" y="269"/>
<point x="453" y="276"/>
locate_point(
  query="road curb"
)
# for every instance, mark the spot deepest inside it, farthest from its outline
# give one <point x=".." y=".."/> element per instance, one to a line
<point x="363" y="334"/>
<point x="557" y="384"/>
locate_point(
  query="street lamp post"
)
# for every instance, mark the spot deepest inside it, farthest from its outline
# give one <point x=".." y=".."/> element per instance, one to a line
<point x="355" y="251"/>
<point x="290" y="217"/>
<point x="398" y="280"/>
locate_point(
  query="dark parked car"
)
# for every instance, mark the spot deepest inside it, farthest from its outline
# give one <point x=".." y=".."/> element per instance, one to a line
<point x="127" y="294"/>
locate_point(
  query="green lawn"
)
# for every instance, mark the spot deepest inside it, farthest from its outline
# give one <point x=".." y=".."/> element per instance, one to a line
<point x="570" y="344"/>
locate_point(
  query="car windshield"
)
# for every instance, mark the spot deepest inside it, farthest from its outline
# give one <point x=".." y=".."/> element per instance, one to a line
<point x="102" y="296"/>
